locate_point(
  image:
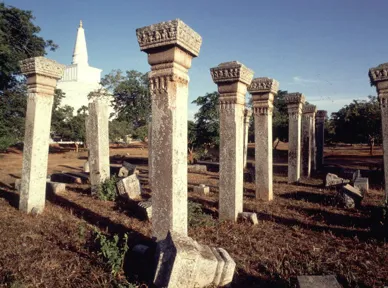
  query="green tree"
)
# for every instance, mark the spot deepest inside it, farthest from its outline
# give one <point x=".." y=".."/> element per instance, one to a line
<point x="207" y="119"/>
<point x="18" y="40"/>
<point x="280" y="117"/>
<point x="131" y="96"/>
<point x="356" y="122"/>
<point x="119" y="129"/>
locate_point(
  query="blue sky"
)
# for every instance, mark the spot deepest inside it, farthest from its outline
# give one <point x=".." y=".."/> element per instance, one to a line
<point x="322" y="49"/>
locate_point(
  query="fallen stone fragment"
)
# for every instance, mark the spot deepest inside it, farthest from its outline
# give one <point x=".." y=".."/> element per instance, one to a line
<point x="248" y="217"/>
<point x="182" y="262"/>
<point x="201" y="189"/>
<point x="334" y="180"/>
<point x="350" y="196"/>
<point x="55" y="188"/>
<point x="129" y="187"/>
<point x="86" y="167"/>
<point x="83" y="176"/>
<point x="130" y="168"/>
<point x="327" y="281"/>
<point x="362" y="184"/>
<point x="197" y="168"/>
<point x="65" y="178"/>
<point x="145" y="209"/>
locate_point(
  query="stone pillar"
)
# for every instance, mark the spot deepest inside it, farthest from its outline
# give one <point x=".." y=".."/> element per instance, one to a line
<point x="320" y="136"/>
<point x="150" y="151"/>
<point x="313" y="146"/>
<point x="42" y="76"/>
<point x="98" y="127"/>
<point x="232" y="79"/>
<point x="171" y="47"/>
<point x="295" y="103"/>
<point x="307" y="138"/>
<point x="247" y="117"/>
<point x="263" y="91"/>
<point x="379" y="78"/>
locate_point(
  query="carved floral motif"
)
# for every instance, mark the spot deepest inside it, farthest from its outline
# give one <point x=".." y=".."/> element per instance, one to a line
<point x="379" y="73"/>
<point x="294" y="98"/>
<point x="263" y="85"/>
<point x="230" y="72"/>
<point x="309" y="109"/>
<point x="168" y="33"/>
<point x="42" y="66"/>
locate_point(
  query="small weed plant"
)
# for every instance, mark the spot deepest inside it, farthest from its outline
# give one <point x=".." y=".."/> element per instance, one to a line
<point x="107" y="190"/>
<point x="113" y="250"/>
<point x="196" y="216"/>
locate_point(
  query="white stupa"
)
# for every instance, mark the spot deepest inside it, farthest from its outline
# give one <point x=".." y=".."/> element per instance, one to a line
<point x="79" y="79"/>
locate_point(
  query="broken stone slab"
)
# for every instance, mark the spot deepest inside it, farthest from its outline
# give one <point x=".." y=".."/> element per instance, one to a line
<point x="197" y="168"/>
<point x="51" y="187"/>
<point x="334" y="180"/>
<point x="182" y="262"/>
<point x="362" y="183"/>
<point x="86" y="167"/>
<point x="129" y="187"/>
<point x="327" y="281"/>
<point x="129" y="167"/>
<point x="201" y="189"/>
<point x="350" y="174"/>
<point x="350" y="196"/>
<point x="145" y="208"/>
<point x="65" y="178"/>
<point x="248" y="217"/>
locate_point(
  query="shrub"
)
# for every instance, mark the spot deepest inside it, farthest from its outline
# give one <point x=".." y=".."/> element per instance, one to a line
<point x="112" y="250"/>
<point x="196" y="216"/>
<point x="5" y="142"/>
<point x="107" y="190"/>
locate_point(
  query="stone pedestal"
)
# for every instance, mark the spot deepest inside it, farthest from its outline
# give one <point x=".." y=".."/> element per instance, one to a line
<point x="379" y="78"/>
<point x="263" y="91"/>
<point x="313" y="146"/>
<point x="42" y="76"/>
<point x="307" y="138"/>
<point x="320" y="136"/>
<point x="170" y="47"/>
<point x="98" y="127"/>
<point x="295" y="102"/>
<point x="247" y="117"/>
<point x="232" y="79"/>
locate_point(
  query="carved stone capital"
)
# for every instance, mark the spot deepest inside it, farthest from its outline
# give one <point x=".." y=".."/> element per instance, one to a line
<point x="43" y="67"/>
<point x="295" y="98"/>
<point x="231" y="72"/>
<point x="378" y="74"/>
<point x="309" y="110"/>
<point x="263" y="85"/>
<point x="262" y="110"/>
<point x="321" y="116"/>
<point x="170" y="33"/>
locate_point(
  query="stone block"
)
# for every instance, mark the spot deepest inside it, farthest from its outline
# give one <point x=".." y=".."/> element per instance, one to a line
<point x="145" y="208"/>
<point x="200" y="169"/>
<point x="129" y="187"/>
<point x="202" y="189"/>
<point x="327" y="281"/>
<point x="362" y="184"/>
<point x="127" y="169"/>
<point x="65" y="178"/>
<point x="86" y="167"/>
<point x="182" y="262"/>
<point x="55" y="188"/>
<point x="350" y="196"/>
<point x="248" y="217"/>
<point x="334" y="180"/>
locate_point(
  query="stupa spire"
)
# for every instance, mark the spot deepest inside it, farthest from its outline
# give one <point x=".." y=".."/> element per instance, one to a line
<point x="80" y="54"/>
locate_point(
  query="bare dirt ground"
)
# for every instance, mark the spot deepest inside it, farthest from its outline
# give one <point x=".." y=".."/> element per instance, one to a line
<point x="301" y="232"/>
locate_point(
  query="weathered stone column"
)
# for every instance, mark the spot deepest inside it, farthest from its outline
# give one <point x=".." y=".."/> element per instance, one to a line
<point x="320" y="136"/>
<point x="295" y="103"/>
<point x="98" y="121"/>
<point x="171" y="47"/>
<point x="379" y="78"/>
<point x="150" y="151"/>
<point x="42" y="76"/>
<point x="247" y="117"/>
<point x="307" y="138"/>
<point x="232" y="79"/>
<point x="313" y="146"/>
<point x="263" y="91"/>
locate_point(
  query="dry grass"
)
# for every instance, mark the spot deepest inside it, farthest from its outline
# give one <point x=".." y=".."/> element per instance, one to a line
<point x="301" y="232"/>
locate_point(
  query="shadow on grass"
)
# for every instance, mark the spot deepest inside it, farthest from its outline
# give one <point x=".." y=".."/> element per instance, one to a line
<point x="242" y="279"/>
<point x="11" y="197"/>
<point x="318" y="198"/>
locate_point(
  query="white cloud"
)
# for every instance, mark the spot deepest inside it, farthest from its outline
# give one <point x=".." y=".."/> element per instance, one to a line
<point x="301" y="80"/>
